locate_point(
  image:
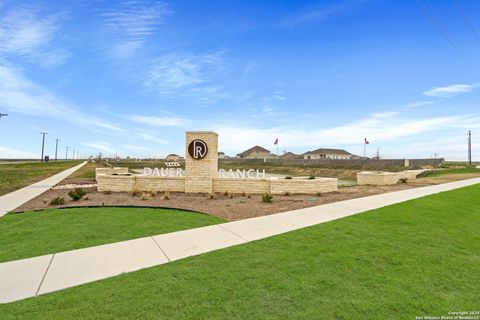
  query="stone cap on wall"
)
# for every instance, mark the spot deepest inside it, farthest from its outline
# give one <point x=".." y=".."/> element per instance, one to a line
<point x="201" y="132"/>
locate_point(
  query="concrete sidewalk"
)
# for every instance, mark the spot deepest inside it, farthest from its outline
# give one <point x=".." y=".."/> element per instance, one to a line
<point x="16" y="198"/>
<point x="39" y="275"/>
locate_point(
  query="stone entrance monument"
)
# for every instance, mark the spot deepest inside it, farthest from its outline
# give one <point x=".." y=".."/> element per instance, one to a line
<point x="201" y="161"/>
<point x="201" y="175"/>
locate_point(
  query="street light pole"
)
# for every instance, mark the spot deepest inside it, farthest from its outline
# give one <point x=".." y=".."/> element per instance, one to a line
<point x="43" y="143"/>
<point x="56" y="148"/>
<point x="469" y="147"/>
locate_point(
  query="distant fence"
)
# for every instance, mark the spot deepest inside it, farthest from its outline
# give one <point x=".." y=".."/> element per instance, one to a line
<point x="337" y="163"/>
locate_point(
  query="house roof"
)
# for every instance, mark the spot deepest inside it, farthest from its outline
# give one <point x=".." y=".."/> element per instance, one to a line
<point x="328" y="151"/>
<point x="288" y="154"/>
<point x="173" y="155"/>
<point x="254" y="149"/>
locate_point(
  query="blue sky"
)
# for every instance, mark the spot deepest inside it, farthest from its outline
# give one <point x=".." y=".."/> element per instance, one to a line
<point x="131" y="77"/>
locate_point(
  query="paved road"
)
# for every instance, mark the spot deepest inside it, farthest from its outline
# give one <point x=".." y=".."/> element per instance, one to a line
<point x="16" y="198"/>
<point x="26" y="278"/>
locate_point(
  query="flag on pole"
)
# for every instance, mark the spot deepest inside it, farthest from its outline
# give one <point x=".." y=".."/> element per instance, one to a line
<point x="276" y="142"/>
<point x="366" y="141"/>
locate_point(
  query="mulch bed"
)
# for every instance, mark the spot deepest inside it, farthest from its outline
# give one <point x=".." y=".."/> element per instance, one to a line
<point x="228" y="207"/>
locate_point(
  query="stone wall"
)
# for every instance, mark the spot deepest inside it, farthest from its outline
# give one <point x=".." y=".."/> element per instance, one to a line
<point x="380" y="178"/>
<point x="366" y="164"/>
<point x="200" y="172"/>
<point x="377" y="178"/>
<point x="233" y="185"/>
<point x="113" y="170"/>
<point x="201" y="176"/>
<point x="303" y="186"/>
<point x="130" y="183"/>
<point x="112" y="183"/>
<point x="174" y="184"/>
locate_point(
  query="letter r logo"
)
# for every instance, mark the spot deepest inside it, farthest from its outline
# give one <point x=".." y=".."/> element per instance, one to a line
<point x="197" y="149"/>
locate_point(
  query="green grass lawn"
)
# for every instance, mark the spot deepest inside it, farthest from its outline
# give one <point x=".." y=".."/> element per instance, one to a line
<point x="446" y="171"/>
<point x="37" y="233"/>
<point x="87" y="171"/>
<point x="416" y="258"/>
<point x="14" y="176"/>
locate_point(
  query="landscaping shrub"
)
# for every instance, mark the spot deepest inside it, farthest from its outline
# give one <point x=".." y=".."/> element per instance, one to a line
<point x="77" y="194"/>
<point x="311" y="177"/>
<point x="288" y="177"/>
<point x="57" y="201"/>
<point x="267" y="198"/>
<point x="403" y="180"/>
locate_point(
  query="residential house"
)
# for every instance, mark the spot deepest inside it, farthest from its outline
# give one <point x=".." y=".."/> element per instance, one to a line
<point x="256" y="152"/>
<point x="324" y="153"/>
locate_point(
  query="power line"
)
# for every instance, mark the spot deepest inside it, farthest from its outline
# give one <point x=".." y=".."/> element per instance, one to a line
<point x="433" y="17"/>
<point x="467" y="21"/>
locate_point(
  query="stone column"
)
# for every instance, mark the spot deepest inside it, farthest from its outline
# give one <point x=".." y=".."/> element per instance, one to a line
<point x="200" y="171"/>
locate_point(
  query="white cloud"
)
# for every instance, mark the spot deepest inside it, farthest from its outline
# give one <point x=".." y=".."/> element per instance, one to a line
<point x="172" y="73"/>
<point x="132" y="23"/>
<point x="319" y="14"/>
<point x="147" y="136"/>
<point x="24" y="33"/>
<point x="134" y="147"/>
<point x="19" y="94"/>
<point x="421" y="103"/>
<point x="451" y="90"/>
<point x="166" y="121"/>
<point x="9" y="153"/>
<point x="377" y="128"/>
<point x="384" y="114"/>
<point x="312" y="16"/>
<point x="100" y="146"/>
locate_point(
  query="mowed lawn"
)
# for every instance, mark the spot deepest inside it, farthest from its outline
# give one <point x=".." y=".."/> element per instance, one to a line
<point x="416" y="258"/>
<point x="14" y="176"/>
<point x="32" y="234"/>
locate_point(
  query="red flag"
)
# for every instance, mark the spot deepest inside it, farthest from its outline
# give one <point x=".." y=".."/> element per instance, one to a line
<point x="366" y="141"/>
<point x="276" y="141"/>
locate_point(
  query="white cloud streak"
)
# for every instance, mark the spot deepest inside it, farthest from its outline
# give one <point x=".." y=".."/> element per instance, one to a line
<point x="173" y="73"/>
<point x="421" y="103"/>
<point x="100" y="146"/>
<point x="132" y="23"/>
<point x="451" y="90"/>
<point x="381" y="127"/>
<point x="166" y="121"/>
<point x="10" y="153"/>
<point x="19" y="94"/>
<point x="26" y="34"/>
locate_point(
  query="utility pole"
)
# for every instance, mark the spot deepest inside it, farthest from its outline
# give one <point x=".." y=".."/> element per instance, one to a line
<point x="43" y="143"/>
<point x="73" y="156"/>
<point x="66" y="154"/>
<point x="56" y="148"/>
<point x="469" y="147"/>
